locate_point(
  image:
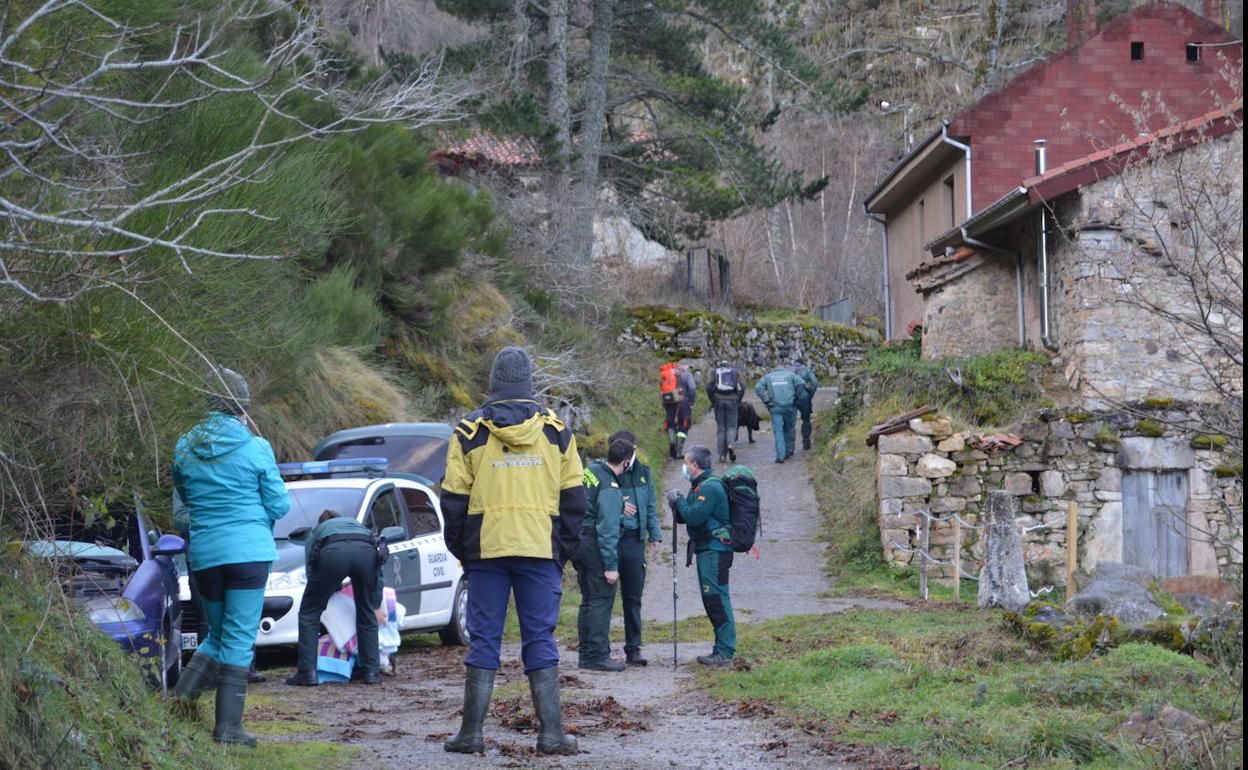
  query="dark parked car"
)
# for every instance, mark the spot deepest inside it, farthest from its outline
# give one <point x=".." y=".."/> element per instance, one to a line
<point x="414" y="449"/>
<point x="126" y="581"/>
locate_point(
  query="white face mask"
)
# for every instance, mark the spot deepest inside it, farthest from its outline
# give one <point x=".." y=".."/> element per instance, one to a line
<point x="684" y="471"/>
<point x="631" y="461"/>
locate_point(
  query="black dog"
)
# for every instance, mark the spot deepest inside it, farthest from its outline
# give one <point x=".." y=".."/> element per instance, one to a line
<point x="746" y="418"/>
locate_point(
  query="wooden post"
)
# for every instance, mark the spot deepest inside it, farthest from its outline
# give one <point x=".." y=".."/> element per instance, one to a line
<point x="1072" y="546"/>
<point x="957" y="559"/>
<point x="925" y="537"/>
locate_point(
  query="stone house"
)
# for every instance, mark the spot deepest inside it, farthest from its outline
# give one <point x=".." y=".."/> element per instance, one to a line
<point x="965" y="167"/>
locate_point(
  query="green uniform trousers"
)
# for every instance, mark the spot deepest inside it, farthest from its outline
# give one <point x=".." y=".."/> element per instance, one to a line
<point x="713" y="567"/>
<point x="354" y="559"/>
<point x="593" y="619"/>
<point x="804" y="411"/>
<point x="632" y="586"/>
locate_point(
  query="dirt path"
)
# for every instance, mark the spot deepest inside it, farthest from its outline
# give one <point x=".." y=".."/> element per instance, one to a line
<point x="642" y="718"/>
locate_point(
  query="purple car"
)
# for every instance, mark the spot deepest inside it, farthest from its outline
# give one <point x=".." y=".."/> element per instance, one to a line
<point x="125" y="579"/>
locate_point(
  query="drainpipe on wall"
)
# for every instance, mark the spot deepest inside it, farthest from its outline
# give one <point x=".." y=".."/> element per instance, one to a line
<point x="966" y="150"/>
<point x="888" y="298"/>
<point x="1042" y="249"/>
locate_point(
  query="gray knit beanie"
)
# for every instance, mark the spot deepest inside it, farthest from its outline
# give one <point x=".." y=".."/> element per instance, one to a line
<point x="512" y="371"/>
<point x="235" y="397"/>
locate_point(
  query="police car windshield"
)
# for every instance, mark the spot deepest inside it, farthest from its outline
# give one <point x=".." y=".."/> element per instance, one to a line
<point x="307" y="504"/>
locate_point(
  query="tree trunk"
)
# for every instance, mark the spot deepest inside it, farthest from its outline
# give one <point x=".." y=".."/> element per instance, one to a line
<point x="592" y="124"/>
<point x="559" y="115"/>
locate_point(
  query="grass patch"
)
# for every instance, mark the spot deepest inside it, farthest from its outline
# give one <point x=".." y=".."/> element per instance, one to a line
<point x="954" y="687"/>
<point x="990" y="389"/>
<point x="295" y="755"/>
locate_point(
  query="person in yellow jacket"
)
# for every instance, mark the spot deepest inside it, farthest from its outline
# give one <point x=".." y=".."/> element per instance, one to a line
<point x="513" y="501"/>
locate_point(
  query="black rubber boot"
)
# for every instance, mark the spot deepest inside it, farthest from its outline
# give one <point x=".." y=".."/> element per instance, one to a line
<point x="477" y="690"/>
<point x="199" y="674"/>
<point x="544" y="686"/>
<point x="231" y="702"/>
<point x="303" y="679"/>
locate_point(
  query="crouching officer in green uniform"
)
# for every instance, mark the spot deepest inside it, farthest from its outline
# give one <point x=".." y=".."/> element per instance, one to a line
<point x="704" y="512"/>
<point x="639" y="526"/>
<point x="598" y="560"/>
<point x="340" y="547"/>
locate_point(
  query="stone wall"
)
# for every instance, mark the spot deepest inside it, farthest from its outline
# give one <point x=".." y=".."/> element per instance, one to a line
<point x="1127" y="321"/>
<point x="701" y="337"/>
<point x="1064" y="456"/>
<point x="974" y="312"/>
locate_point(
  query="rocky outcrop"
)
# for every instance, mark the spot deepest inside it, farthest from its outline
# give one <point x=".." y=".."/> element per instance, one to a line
<point x="1118" y="591"/>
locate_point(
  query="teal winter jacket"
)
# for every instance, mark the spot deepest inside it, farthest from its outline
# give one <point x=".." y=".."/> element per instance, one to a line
<point x="604" y="507"/>
<point x="230" y="490"/>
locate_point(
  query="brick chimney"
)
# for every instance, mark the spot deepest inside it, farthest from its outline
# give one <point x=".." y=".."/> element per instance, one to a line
<point x="1081" y="20"/>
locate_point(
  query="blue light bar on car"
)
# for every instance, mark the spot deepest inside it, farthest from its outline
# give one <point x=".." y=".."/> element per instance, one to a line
<point x="329" y="467"/>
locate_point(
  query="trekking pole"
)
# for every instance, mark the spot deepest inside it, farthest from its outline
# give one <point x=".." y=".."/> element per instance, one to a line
<point x="674" y="552"/>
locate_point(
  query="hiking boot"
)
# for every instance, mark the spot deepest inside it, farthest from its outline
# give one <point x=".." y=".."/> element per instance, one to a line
<point x="544" y="687"/>
<point x="478" y="686"/>
<point x="806" y="444"/>
<point x="780" y="460"/>
<point x="303" y="679"/>
<point x="602" y="665"/>
<point x="372" y="677"/>
<point x="732" y="454"/>
<point x="231" y="703"/>
<point x="254" y="676"/>
<point x="634" y="658"/>
<point x="714" y="659"/>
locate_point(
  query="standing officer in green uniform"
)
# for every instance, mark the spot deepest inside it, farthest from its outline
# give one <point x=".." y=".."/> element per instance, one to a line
<point x="339" y="547"/>
<point x="705" y="514"/>
<point x="638" y="526"/>
<point x="598" y="560"/>
<point x="805" y="398"/>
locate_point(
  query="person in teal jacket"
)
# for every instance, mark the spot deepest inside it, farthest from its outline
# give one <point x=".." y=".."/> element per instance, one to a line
<point x="779" y="390"/>
<point x="232" y="494"/>
<point x="639" y="526"/>
<point x="598" y="559"/>
<point x="705" y="514"/>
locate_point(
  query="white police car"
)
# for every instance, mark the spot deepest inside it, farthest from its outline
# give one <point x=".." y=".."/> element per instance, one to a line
<point x="427" y="579"/>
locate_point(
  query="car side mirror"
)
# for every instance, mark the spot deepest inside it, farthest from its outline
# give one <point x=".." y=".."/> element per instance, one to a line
<point x="300" y="533"/>
<point x="393" y="534"/>
<point x="169" y="545"/>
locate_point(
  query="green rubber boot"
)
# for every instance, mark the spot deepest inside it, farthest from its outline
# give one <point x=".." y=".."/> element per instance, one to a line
<point x="231" y="702"/>
<point x="201" y="673"/>
<point x="478" y="687"/>
<point x="544" y="686"/>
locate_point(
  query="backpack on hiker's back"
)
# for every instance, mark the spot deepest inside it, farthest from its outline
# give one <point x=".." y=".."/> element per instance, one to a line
<point x="726" y="379"/>
<point x="669" y="384"/>
<point x="744" y="514"/>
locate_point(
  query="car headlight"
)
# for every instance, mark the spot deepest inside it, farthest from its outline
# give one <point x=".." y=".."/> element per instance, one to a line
<point x="107" y="609"/>
<point x="282" y="580"/>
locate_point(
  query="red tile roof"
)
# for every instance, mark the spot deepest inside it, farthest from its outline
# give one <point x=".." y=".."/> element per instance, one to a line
<point x="499" y="150"/>
<point x="1112" y="160"/>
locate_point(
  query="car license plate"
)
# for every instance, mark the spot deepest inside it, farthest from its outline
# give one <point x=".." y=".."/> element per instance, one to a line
<point x="190" y="641"/>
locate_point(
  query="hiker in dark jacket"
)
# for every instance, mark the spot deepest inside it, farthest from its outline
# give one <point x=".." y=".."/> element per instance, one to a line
<point x="704" y="511"/>
<point x="805" y="402"/>
<point x="725" y="389"/>
<point x="639" y="533"/>
<point x="598" y="560"/>
<point x="339" y="547"/>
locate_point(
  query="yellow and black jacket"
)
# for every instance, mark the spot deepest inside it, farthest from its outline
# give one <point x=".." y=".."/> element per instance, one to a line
<point x="513" y="484"/>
